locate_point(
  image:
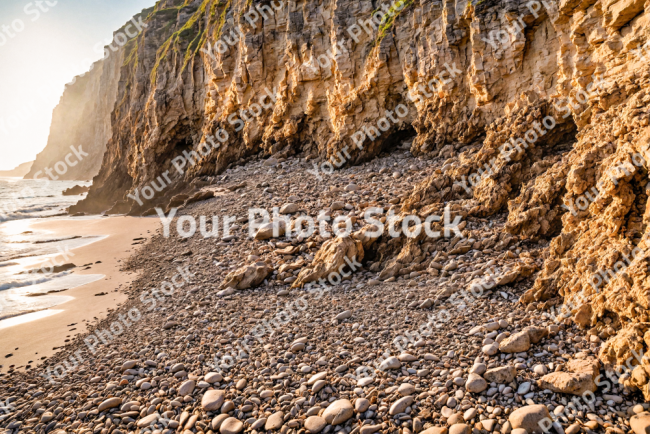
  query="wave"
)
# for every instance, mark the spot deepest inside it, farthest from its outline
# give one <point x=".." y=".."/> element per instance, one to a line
<point x="23" y="216"/>
<point x="30" y="282"/>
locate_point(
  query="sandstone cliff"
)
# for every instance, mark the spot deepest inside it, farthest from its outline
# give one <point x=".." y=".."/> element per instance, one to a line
<point x="526" y="106"/>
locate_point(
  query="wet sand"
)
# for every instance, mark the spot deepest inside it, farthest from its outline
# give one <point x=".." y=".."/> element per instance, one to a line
<point x="33" y="336"/>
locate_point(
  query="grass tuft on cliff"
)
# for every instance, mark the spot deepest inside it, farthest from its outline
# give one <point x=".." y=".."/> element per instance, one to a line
<point x="192" y="35"/>
<point x="388" y="20"/>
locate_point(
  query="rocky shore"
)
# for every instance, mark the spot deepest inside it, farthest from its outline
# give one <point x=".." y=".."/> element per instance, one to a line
<point x="234" y="334"/>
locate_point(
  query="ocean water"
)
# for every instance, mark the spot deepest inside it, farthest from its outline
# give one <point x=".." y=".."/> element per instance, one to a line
<point x="23" y="249"/>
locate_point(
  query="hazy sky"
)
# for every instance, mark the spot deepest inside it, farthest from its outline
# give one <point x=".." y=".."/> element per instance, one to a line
<point x="37" y="62"/>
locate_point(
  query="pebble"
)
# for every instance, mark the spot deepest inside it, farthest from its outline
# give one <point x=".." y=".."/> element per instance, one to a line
<point x="213" y="400"/>
<point x="338" y="412"/>
<point x="109" y="403"/>
<point x="490" y="350"/>
<point x="231" y="425"/>
<point x="540" y="369"/>
<point x="315" y="424"/>
<point x="390" y="363"/>
<point x="186" y="388"/>
<point x="275" y="421"/>
<point x="400" y="405"/>
<point x="344" y="315"/>
<point x="523" y="388"/>
<point x="406" y="389"/>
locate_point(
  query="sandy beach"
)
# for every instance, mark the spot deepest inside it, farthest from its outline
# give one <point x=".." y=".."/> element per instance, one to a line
<point x="31" y="337"/>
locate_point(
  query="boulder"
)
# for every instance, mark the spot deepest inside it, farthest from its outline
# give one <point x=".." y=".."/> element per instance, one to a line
<point x="516" y="343"/>
<point x="640" y="423"/>
<point x="501" y="375"/>
<point x="76" y="190"/>
<point x="475" y="383"/>
<point x="335" y="256"/>
<point x="567" y="382"/>
<point x="248" y="276"/>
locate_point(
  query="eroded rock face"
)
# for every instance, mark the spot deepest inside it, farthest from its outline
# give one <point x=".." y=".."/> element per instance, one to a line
<point x="550" y="126"/>
<point x="315" y="82"/>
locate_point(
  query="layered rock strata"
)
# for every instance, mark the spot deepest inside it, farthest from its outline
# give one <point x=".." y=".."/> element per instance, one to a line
<point x="539" y="109"/>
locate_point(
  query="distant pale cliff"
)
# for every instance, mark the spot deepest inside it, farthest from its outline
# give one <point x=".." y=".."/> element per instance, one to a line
<point x="82" y="119"/>
<point x="20" y="170"/>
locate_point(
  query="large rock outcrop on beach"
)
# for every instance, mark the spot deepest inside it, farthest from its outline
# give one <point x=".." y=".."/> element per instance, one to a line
<point x="536" y="109"/>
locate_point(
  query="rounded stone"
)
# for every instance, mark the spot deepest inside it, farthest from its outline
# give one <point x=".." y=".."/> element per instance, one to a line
<point x="400" y="405"/>
<point x="218" y="420"/>
<point x="361" y="405"/>
<point x="475" y="383"/>
<point x="232" y="425"/>
<point x="315" y="424"/>
<point x="274" y="421"/>
<point x="528" y="418"/>
<point x="460" y="428"/>
<point x="338" y="412"/>
<point x="186" y="388"/>
<point x="213" y="377"/>
<point x="213" y="400"/>
<point x="406" y="389"/>
<point x="109" y="403"/>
